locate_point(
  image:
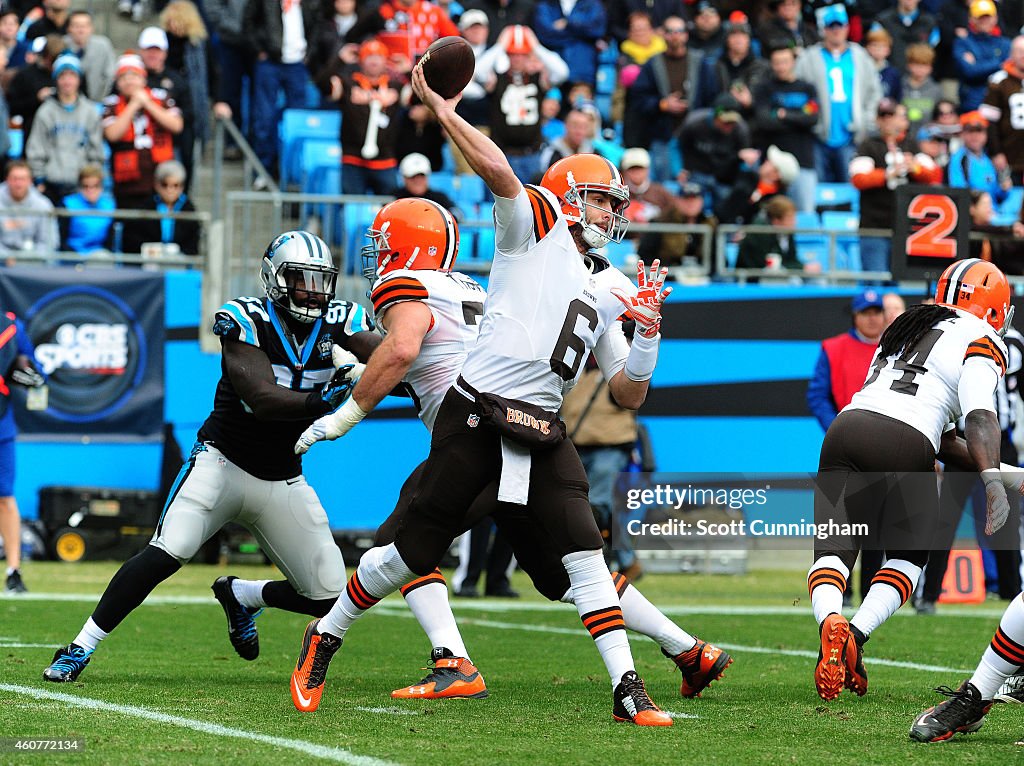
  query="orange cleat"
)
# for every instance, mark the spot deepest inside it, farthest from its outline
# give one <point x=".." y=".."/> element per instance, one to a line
<point x="700" y="666"/>
<point x="632" y="703"/>
<point x="450" y="677"/>
<point x="311" y="668"/>
<point x="830" y="672"/>
<point x="856" y="675"/>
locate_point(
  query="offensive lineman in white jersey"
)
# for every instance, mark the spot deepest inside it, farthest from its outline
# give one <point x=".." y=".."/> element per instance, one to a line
<point x="934" y="364"/>
<point x="551" y="301"/>
<point x="422" y="304"/>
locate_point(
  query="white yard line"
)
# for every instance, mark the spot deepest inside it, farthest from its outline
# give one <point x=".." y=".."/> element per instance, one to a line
<point x="335" y="754"/>
<point x="504" y="606"/>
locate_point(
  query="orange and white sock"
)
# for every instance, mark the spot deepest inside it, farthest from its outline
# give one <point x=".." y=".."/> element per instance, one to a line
<point x="826" y="581"/>
<point x="599" y="609"/>
<point x="891" y="587"/>
<point x="427" y="598"/>
<point x="1005" y="653"/>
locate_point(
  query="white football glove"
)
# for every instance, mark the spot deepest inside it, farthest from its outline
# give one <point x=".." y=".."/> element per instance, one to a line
<point x="645" y="307"/>
<point x="330" y="427"/>
<point x="997" y="507"/>
<point x="340" y="357"/>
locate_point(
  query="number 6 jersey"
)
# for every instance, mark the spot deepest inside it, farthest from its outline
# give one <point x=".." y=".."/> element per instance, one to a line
<point x="952" y="370"/>
<point x="546" y="307"/>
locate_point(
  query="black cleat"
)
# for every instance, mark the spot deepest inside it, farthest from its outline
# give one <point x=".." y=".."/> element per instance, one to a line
<point x="14" y="583"/>
<point x="963" y="713"/>
<point x="632" y="703"/>
<point x="241" y="620"/>
<point x="856" y="676"/>
<point x="1012" y="691"/>
<point x="311" y="668"/>
<point x="67" y="664"/>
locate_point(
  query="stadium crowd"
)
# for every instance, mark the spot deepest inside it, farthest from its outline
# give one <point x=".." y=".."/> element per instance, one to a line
<point x="711" y="110"/>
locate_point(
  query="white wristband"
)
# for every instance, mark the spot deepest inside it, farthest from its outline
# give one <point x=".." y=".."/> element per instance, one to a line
<point x="643" y="357"/>
<point x="1012" y="476"/>
<point x="345" y="418"/>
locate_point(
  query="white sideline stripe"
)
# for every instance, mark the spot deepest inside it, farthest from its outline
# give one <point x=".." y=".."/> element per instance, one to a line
<point x="338" y="755"/>
<point x="730" y="647"/>
<point x="680" y="715"/>
<point x="19" y="645"/>
<point x="504" y="606"/>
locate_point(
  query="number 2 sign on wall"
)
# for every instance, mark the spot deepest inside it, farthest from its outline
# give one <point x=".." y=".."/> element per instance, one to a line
<point x="930" y="229"/>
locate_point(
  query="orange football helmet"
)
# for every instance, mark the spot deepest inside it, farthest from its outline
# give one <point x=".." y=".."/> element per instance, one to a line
<point x="571" y="178"/>
<point x="411" y="233"/>
<point x="978" y="287"/>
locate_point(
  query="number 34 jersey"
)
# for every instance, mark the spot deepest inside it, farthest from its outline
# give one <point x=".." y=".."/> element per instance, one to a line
<point x="456" y="304"/>
<point x="546" y="309"/>
<point x="923" y="387"/>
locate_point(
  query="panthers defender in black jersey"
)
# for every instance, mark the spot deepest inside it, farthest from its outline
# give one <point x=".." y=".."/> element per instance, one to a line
<point x="288" y="358"/>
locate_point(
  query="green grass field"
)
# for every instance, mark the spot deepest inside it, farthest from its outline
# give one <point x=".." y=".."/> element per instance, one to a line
<point x="166" y="687"/>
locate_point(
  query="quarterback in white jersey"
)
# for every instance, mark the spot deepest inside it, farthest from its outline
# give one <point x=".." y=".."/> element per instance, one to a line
<point x="542" y="317"/>
<point x="453" y="302"/>
<point x="934" y="364"/>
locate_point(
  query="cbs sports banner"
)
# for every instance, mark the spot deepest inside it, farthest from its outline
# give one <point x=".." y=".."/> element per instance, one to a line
<point x="99" y="338"/>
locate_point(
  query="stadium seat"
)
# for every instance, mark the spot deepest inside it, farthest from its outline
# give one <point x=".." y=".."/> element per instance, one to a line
<point x="469" y="190"/>
<point x="298" y="126"/>
<point x="811" y="246"/>
<point x="847" y="246"/>
<point x="484" y="240"/>
<point x="443" y="181"/>
<point x="621" y="255"/>
<point x="319" y="156"/>
<point x="1009" y="210"/>
<point x="837" y="195"/>
<point x="356" y="218"/>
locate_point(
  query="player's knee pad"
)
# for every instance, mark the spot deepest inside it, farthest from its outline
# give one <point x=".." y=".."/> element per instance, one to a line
<point x="327" y="573"/>
<point x="182" y="533"/>
<point x="383" y="570"/>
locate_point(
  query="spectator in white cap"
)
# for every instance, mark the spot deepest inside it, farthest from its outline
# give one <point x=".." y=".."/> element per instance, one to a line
<point x="760" y="180"/>
<point x="66" y="133"/>
<point x="415" y="172"/>
<point x="474" y="26"/>
<point x="647" y="198"/>
<point x="139" y="124"/>
<point x="163" y="80"/>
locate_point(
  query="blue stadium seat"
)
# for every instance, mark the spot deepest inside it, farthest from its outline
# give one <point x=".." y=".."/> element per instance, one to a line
<point x="837" y="194"/>
<point x="443" y="181"/>
<point x="621" y="254"/>
<point x="847" y="246"/>
<point x="1009" y="210"/>
<point x="319" y="156"/>
<point x="604" y="106"/>
<point x="298" y="126"/>
<point x="356" y="218"/>
<point x="811" y="246"/>
<point x="470" y="190"/>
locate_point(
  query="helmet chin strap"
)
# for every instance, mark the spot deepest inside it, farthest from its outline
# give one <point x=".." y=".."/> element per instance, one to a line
<point x="1007" y="323"/>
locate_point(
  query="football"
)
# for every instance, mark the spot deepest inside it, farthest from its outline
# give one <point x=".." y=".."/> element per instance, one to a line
<point x="448" y="65"/>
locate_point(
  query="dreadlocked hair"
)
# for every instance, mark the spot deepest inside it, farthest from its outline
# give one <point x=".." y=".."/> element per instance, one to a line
<point x="909" y="326"/>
